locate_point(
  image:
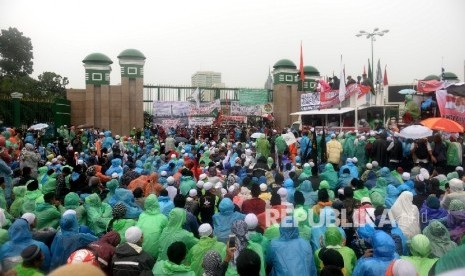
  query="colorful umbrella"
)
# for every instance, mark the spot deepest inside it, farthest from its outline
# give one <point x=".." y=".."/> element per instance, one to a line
<point x="407" y="91"/>
<point x="415" y="132"/>
<point x="256" y="135"/>
<point x="38" y="127"/>
<point x="442" y="124"/>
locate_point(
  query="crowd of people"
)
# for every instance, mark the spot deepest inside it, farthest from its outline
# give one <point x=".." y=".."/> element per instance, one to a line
<point x="218" y="202"/>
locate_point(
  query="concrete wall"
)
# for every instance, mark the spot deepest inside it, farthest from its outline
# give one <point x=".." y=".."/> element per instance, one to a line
<point x="286" y="100"/>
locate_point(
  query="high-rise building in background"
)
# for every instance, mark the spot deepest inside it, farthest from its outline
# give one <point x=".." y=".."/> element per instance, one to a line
<point x="207" y="79"/>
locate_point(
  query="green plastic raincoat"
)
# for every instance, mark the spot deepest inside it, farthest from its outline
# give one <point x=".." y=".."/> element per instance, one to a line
<point x="330" y="175"/>
<point x="31" y="198"/>
<point x="263" y="146"/>
<point x="152" y="222"/>
<point x="16" y="206"/>
<point x="169" y="268"/>
<point x="50" y="185"/>
<point x="420" y="248"/>
<point x="174" y="232"/>
<point x="98" y="214"/>
<point x="439" y="238"/>
<point x="47" y="215"/>
<point x="198" y="251"/>
<point x="72" y="203"/>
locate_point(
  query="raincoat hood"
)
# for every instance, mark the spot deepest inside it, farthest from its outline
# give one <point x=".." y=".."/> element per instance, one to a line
<point x="176" y="219"/>
<point x="288" y="183"/>
<point x="116" y="162"/>
<point x="19" y="191"/>
<point x="383" y="245"/>
<point x="333" y="237"/>
<point x="289" y="233"/>
<point x="151" y="205"/>
<point x="19" y="231"/>
<point x="93" y="200"/>
<point x="329" y="168"/>
<point x="69" y="223"/>
<point x="111" y="237"/>
<point x="420" y="246"/>
<point x="71" y="201"/>
<point x="124" y="195"/>
<point x="226" y="206"/>
<point x="307" y="170"/>
<point x="42" y="170"/>
<point x="112" y="185"/>
<point x="306" y="186"/>
<point x="324" y="185"/>
<point x="392" y="191"/>
<point x="139" y="164"/>
<point x="384" y="172"/>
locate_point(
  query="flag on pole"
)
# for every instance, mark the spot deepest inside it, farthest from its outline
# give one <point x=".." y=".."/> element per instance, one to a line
<point x="370" y="73"/>
<point x="443" y="75"/>
<point x="301" y="68"/>
<point x="196" y="96"/>
<point x="364" y="71"/>
<point x="379" y="73"/>
<point x="342" y="84"/>
<point x="385" y="79"/>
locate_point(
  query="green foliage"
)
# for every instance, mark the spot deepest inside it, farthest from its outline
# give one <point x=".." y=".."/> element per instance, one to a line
<point x="16" y="53"/>
<point x="52" y="85"/>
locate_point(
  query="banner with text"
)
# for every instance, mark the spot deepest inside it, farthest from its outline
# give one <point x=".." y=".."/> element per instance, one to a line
<point x="247" y="110"/>
<point x="451" y="107"/>
<point x="309" y="101"/>
<point x="253" y="96"/>
<point x="204" y="108"/>
<point x="330" y="98"/>
<point x="170" y="113"/>
<point x="201" y="121"/>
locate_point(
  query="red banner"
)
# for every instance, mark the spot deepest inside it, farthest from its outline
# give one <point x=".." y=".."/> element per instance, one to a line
<point x="331" y="98"/>
<point x="451" y="107"/>
<point x="429" y="86"/>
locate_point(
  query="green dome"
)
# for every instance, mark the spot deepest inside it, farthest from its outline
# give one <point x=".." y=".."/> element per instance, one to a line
<point x="284" y="63"/>
<point x="131" y="53"/>
<point x="431" y="77"/>
<point x="311" y="71"/>
<point x="98" y="58"/>
<point x="450" y="76"/>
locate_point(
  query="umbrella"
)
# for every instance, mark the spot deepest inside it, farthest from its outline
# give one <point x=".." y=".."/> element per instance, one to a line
<point x="456" y="89"/>
<point x="415" y="132"/>
<point x="442" y="124"/>
<point x="38" y="126"/>
<point x="256" y="135"/>
<point x="181" y="139"/>
<point x="407" y="91"/>
<point x="289" y="138"/>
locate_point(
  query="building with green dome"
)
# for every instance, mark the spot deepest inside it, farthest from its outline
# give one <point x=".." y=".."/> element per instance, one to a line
<point x="132" y="63"/>
<point x="98" y="69"/>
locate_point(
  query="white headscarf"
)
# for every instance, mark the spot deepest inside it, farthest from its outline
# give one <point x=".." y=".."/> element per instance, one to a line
<point x="406" y="214"/>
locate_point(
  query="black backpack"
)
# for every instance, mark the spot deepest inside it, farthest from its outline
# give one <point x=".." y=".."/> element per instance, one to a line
<point x="422" y="150"/>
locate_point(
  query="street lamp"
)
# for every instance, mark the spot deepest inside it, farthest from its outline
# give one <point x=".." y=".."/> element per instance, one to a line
<point x="372" y="35"/>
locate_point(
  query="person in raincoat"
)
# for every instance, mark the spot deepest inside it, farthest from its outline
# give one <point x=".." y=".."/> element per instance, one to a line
<point x="68" y="240"/>
<point x="306" y="189"/>
<point x="344" y="179"/>
<point x="439" y="238"/>
<point x="206" y="243"/>
<point x="431" y="210"/>
<point x="165" y="202"/>
<point x="327" y="218"/>
<point x="289" y="186"/>
<point x="223" y="220"/>
<point x="406" y="215"/>
<point x="391" y="196"/>
<point x="20" y="238"/>
<point x="384" y="251"/>
<point x="112" y="185"/>
<point x="263" y="146"/>
<point x="306" y="173"/>
<point x="98" y="214"/>
<point x="173" y="266"/>
<point x="333" y="239"/>
<point x="118" y="223"/>
<point x="330" y="175"/>
<point x="281" y="254"/>
<point x="105" y="248"/>
<point x="387" y="175"/>
<point x="187" y="182"/>
<point x="360" y="190"/>
<point x="127" y="198"/>
<point x="47" y="213"/>
<point x="152" y="222"/>
<point x="456" y="192"/>
<point x="15" y="208"/>
<point x="455" y="220"/>
<point x="71" y="202"/>
<point x="353" y="170"/>
<point x="452" y="263"/>
<point x="420" y="250"/>
<point x="174" y="232"/>
<point x="360" y="153"/>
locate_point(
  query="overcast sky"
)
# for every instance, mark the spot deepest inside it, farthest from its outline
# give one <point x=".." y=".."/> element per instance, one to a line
<point x="242" y="38"/>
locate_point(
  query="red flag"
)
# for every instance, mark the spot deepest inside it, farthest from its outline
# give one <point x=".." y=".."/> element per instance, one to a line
<point x="385" y="79"/>
<point x="302" y="75"/>
<point x="429" y="86"/>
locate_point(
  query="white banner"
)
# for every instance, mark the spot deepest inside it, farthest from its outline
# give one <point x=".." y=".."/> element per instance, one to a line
<point x="201" y="121"/>
<point x="204" y="108"/>
<point x="246" y="110"/>
<point x="309" y="101"/>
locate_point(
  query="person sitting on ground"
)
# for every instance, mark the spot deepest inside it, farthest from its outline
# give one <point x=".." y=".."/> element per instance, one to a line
<point x="32" y="261"/>
<point x="173" y="266"/>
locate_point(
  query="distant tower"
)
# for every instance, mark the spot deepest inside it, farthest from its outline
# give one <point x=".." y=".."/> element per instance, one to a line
<point x="132" y="63"/>
<point x="286" y="97"/>
<point x="269" y="81"/>
<point x="98" y="70"/>
<point x="312" y="75"/>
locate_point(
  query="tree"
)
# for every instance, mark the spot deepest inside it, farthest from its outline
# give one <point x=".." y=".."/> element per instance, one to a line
<point x="16" y="53"/>
<point x="52" y="85"/>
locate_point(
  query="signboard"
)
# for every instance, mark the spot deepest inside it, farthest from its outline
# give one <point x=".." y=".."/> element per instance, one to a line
<point x="253" y="96"/>
<point x="201" y="121"/>
<point x="204" y="108"/>
<point x="170" y="113"/>
<point x="451" y="107"/>
<point x="247" y="110"/>
<point x="234" y="119"/>
<point x="309" y="101"/>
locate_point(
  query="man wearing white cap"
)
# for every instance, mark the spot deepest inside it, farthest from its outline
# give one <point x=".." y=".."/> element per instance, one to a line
<point x="130" y="258"/>
<point x="206" y="243"/>
<point x="172" y="191"/>
<point x="456" y="192"/>
<point x="207" y="204"/>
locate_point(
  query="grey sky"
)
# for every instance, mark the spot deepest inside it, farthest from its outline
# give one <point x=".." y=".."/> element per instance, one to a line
<point x="241" y="38"/>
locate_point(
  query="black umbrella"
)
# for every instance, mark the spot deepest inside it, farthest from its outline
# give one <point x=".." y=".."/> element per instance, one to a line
<point x="181" y="139"/>
<point x="457" y="89"/>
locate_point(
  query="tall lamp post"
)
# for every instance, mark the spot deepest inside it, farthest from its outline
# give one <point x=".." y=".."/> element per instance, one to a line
<point x="372" y="35"/>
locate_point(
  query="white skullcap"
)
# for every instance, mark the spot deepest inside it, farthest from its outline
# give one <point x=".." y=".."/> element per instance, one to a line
<point x="306" y="165"/>
<point x="312" y="164"/>
<point x="333" y="135"/>
<point x="282" y="192"/>
<point x="170" y="180"/>
<point x="117" y="137"/>
<point x="54" y="160"/>
<point x="369" y="166"/>
<point x="420" y="177"/>
<point x="207" y="186"/>
<point x="405" y="176"/>
<point x="246" y="146"/>
<point x="186" y="154"/>
<point x="223" y="145"/>
<point x="173" y="156"/>
<point x="365" y="200"/>
<point x="202" y="176"/>
<point x="223" y="192"/>
<point x="349" y="160"/>
<point x="340" y="191"/>
<point x="133" y="234"/>
<point x="251" y="220"/>
<point x="69" y="212"/>
<point x="183" y="151"/>
<point x="218" y="186"/>
<point x="231" y="188"/>
<point x="101" y="133"/>
<point x="29" y="217"/>
<point x="50" y="163"/>
<point x="205" y="230"/>
<point x="114" y="175"/>
<point x="355" y="160"/>
<point x="213" y="143"/>
<point x="199" y="184"/>
<point x="459" y="168"/>
<point x="375" y="164"/>
<point x="263" y="187"/>
<point x="164" y="173"/>
<point x="193" y="192"/>
<point x="425" y="173"/>
<point x="363" y="138"/>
